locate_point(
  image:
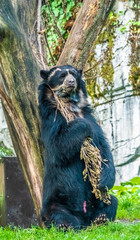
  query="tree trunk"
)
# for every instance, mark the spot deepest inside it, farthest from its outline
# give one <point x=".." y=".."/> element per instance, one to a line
<point x="89" y="22"/>
<point x="19" y="74"/>
<point x="19" y="78"/>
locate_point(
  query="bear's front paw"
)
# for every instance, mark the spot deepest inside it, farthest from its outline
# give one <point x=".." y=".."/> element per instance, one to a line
<point x="64" y="226"/>
<point x="102" y="219"/>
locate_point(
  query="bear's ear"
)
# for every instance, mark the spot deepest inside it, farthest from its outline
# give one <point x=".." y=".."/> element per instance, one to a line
<point x="44" y="74"/>
<point x="80" y="71"/>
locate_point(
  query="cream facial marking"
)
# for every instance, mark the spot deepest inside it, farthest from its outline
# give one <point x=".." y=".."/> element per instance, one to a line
<point x="69" y="72"/>
<point x="52" y="74"/>
<point x="83" y="101"/>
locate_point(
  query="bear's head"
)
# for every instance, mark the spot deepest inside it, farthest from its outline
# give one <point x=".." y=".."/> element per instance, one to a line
<point x="65" y="81"/>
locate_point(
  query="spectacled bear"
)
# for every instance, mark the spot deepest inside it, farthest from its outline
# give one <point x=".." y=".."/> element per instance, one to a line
<point x="68" y="200"/>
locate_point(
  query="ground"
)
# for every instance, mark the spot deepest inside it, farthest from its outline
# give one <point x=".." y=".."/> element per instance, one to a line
<point x="126" y="226"/>
<point x="113" y="231"/>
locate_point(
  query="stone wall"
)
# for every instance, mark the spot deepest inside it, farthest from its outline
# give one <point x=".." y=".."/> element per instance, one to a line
<point x="4" y="133"/>
<point x="120" y="120"/>
<point x="116" y="87"/>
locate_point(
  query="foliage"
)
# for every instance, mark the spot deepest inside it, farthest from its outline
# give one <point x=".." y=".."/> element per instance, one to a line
<point x="113" y="231"/>
<point x="4" y="151"/>
<point x="128" y="195"/>
<point x="58" y="18"/>
<point x="134" y="77"/>
<point x="133" y="26"/>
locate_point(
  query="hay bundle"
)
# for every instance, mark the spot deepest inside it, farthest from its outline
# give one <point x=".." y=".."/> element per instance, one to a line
<point x="90" y="154"/>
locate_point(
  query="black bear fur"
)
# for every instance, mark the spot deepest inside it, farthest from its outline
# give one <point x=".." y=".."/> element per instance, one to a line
<point x="68" y="199"/>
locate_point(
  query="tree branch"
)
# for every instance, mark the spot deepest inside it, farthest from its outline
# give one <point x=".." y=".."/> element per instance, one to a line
<point x="89" y="22"/>
<point x="46" y="40"/>
<point x="38" y="31"/>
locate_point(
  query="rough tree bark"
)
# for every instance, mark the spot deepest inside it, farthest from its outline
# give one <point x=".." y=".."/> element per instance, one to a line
<point x="19" y="75"/>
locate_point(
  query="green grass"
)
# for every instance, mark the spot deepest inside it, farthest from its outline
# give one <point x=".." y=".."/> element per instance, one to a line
<point x="129" y="207"/>
<point x="128" y="195"/>
<point x="113" y="231"/>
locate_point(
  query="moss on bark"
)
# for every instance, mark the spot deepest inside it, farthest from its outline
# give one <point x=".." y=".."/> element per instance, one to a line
<point x="103" y="68"/>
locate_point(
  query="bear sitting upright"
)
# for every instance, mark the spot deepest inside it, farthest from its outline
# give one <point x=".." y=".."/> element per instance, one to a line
<point x="68" y="200"/>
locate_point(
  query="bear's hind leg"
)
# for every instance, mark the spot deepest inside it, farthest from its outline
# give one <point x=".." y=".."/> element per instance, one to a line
<point x="63" y="218"/>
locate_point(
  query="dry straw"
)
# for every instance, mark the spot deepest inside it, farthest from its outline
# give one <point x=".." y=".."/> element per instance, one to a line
<point x="89" y="153"/>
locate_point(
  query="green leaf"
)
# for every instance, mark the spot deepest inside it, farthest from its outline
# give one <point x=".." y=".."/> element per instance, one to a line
<point x="123" y="29"/>
<point x="119" y="188"/>
<point x="135" y="181"/>
<point x="111" y="15"/>
<point x="134" y="189"/>
<point x="56" y="12"/>
<point x="121" y="13"/>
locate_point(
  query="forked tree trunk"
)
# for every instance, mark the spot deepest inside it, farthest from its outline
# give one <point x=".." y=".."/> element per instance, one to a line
<point x="19" y="75"/>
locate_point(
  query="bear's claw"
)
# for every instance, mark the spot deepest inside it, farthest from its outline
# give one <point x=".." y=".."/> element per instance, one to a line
<point x="102" y="219"/>
<point x="64" y="226"/>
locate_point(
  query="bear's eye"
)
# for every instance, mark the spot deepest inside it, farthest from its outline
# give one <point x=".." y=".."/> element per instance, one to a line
<point x="63" y="75"/>
<point x="73" y="73"/>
